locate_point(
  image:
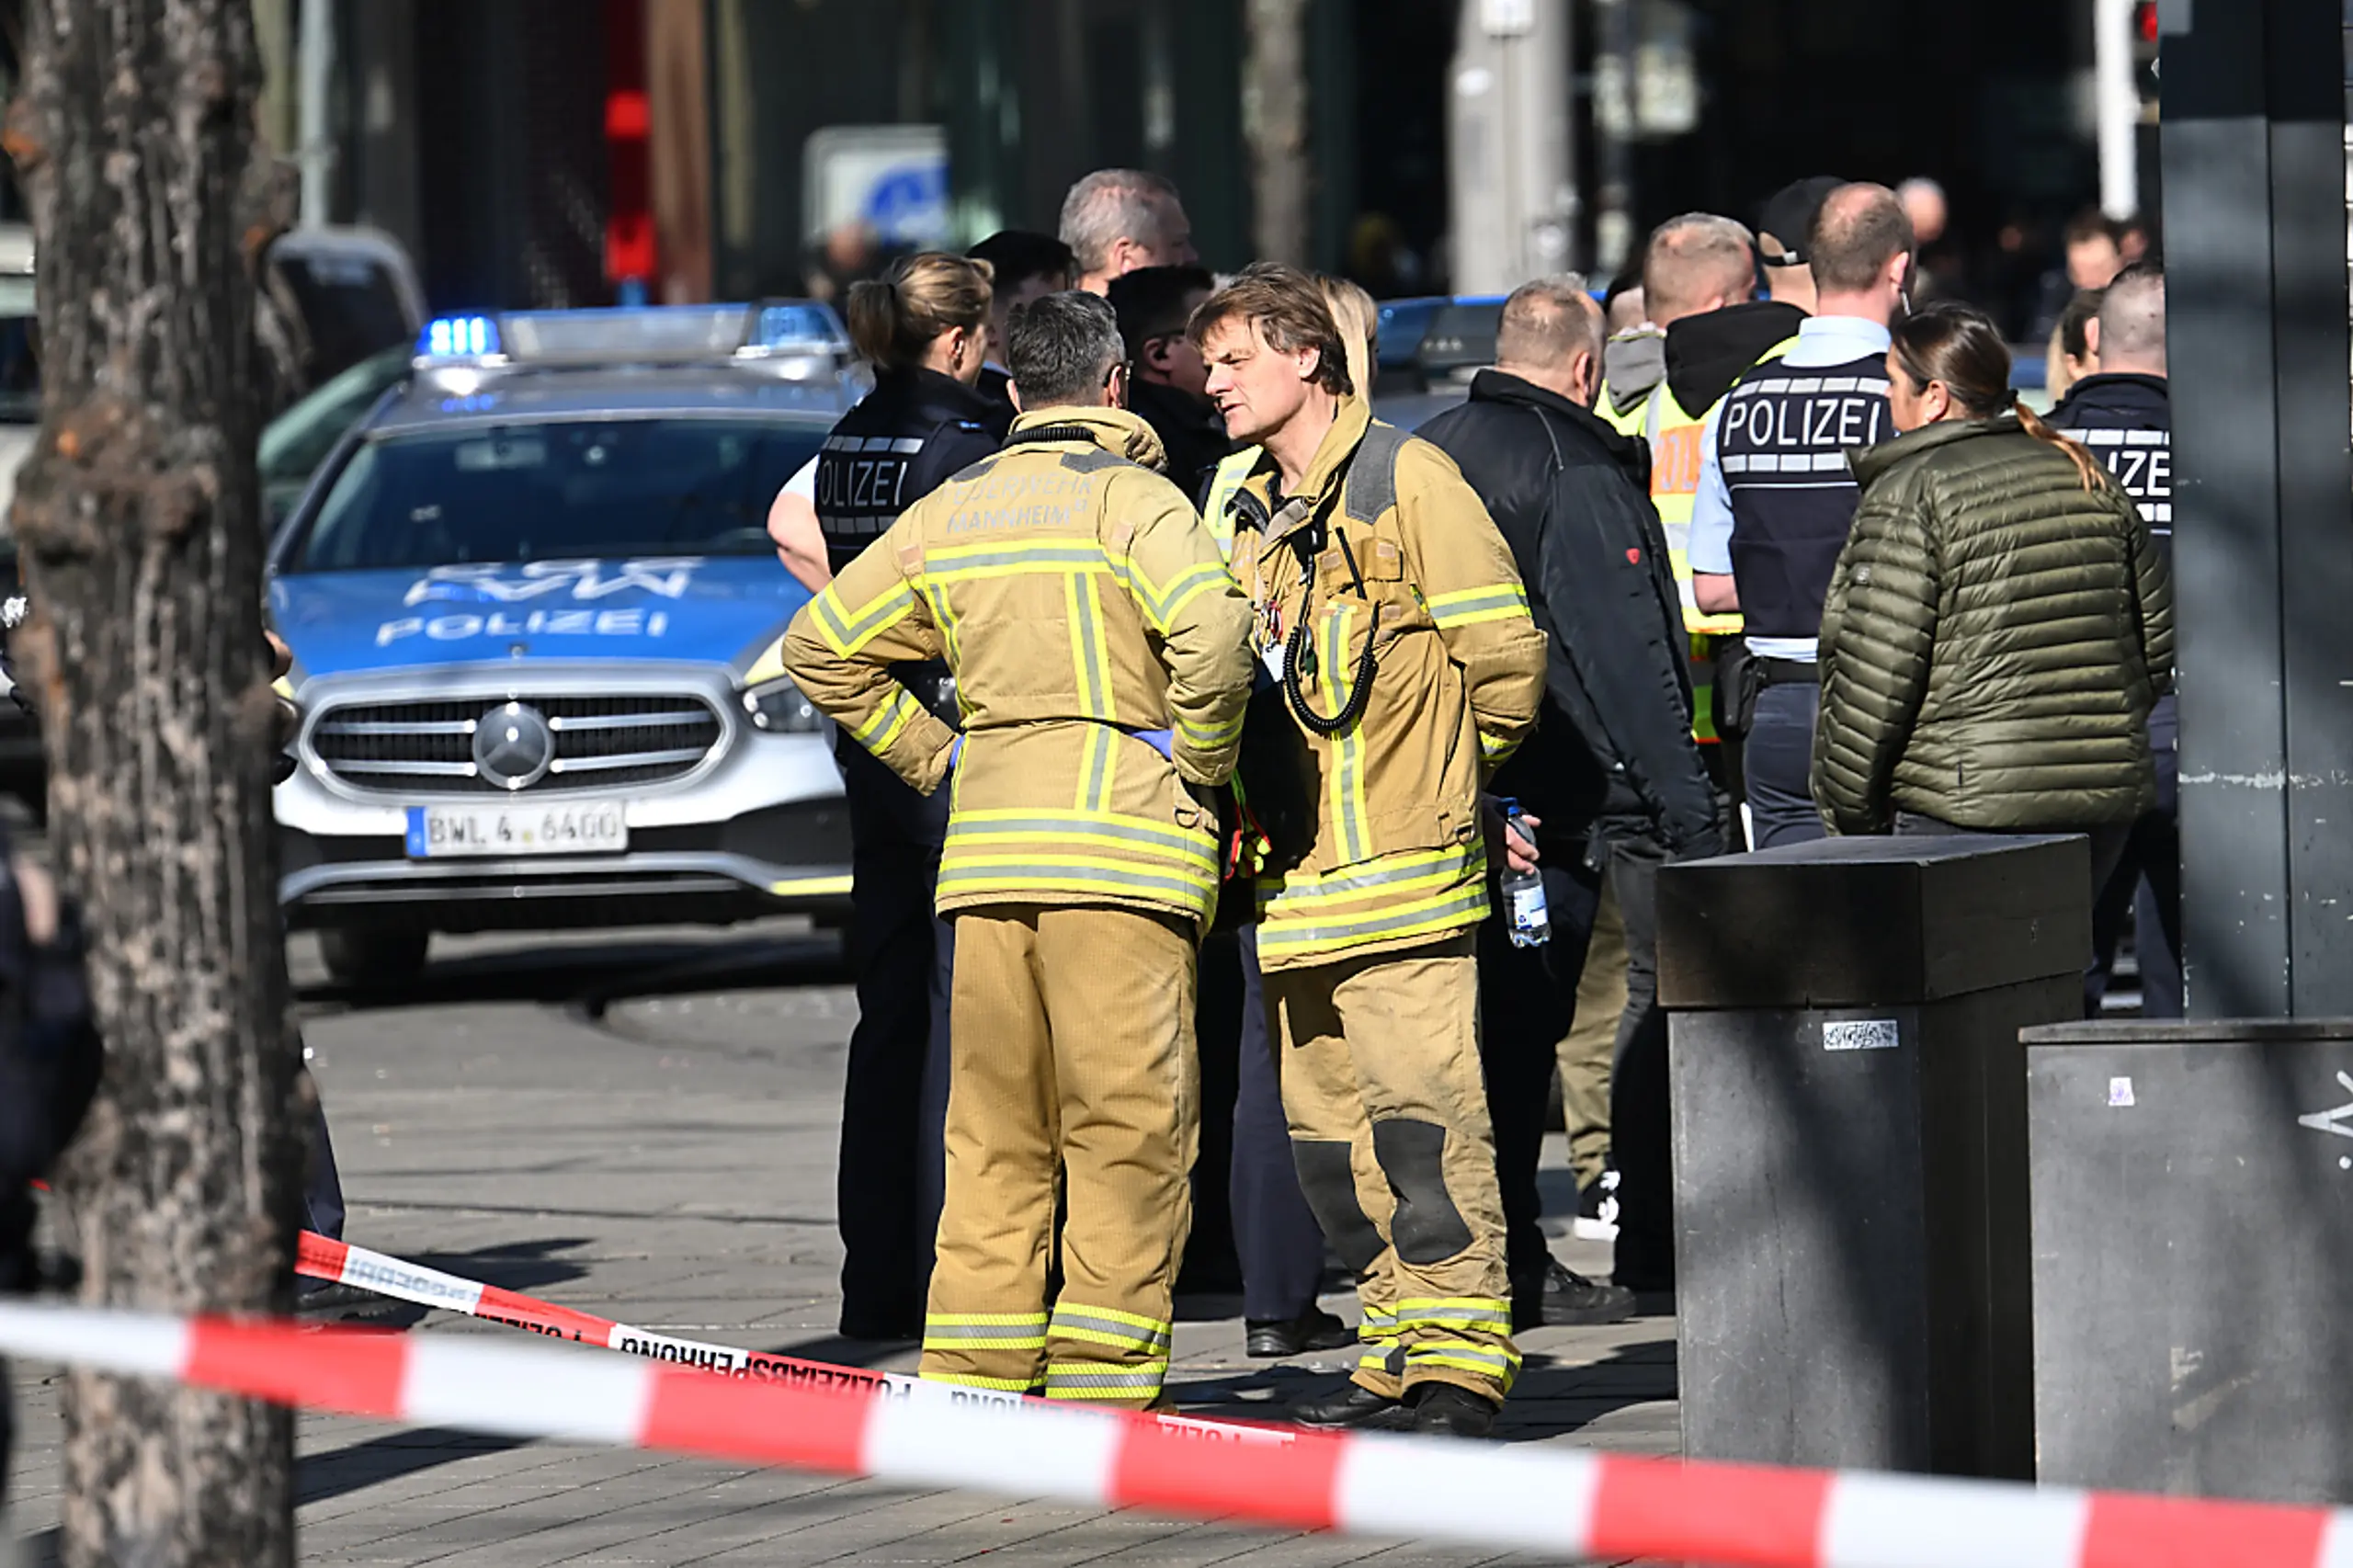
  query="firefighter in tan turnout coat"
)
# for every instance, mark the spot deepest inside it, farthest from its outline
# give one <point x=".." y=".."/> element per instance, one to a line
<point x="1401" y="666"/>
<point x="1100" y="646"/>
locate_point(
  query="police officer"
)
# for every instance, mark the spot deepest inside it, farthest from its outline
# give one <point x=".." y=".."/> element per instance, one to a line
<point x="1102" y="650"/>
<point x="1775" y="496"/>
<point x="2124" y="413"/>
<point x="1402" y="667"/>
<point x="924" y="327"/>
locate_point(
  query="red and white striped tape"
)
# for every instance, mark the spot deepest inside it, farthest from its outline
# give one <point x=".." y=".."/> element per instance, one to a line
<point x="321" y="1257"/>
<point x="1562" y="1503"/>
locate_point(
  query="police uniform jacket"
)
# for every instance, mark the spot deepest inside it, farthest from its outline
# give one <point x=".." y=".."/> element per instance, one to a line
<point x="1993" y="637"/>
<point x="1081" y="604"/>
<point x="901" y="440"/>
<point x="1571" y="497"/>
<point x="1384" y="544"/>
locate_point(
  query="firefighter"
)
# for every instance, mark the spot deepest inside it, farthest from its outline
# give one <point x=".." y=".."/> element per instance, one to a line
<point x="1401" y="666"/>
<point x="1100" y="653"/>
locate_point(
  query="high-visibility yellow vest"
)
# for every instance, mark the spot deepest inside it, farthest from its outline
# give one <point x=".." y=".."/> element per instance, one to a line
<point x="1628" y="422"/>
<point x="1677" y="447"/>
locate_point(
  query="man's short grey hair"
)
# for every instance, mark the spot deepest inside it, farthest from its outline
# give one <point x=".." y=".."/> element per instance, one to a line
<point x="1549" y="322"/>
<point x="1695" y="258"/>
<point x="1111" y="205"/>
<point x="2132" y="317"/>
<point x="1061" y="349"/>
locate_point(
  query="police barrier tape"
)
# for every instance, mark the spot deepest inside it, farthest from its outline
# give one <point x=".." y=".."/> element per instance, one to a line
<point x="1564" y="1502"/>
<point x="321" y="1257"/>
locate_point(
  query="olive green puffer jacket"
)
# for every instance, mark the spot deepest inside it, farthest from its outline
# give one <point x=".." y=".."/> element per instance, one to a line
<point x="1993" y="638"/>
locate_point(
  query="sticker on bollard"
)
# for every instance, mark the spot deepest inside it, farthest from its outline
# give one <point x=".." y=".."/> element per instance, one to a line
<point x="321" y="1257"/>
<point x="1562" y="1503"/>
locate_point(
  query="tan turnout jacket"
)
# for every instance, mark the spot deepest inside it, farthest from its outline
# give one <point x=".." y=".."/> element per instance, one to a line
<point x="1079" y="600"/>
<point x="1397" y="858"/>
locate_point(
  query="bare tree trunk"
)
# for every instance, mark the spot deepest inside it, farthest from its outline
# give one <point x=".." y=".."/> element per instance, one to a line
<point x="1274" y="121"/>
<point x="140" y="519"/>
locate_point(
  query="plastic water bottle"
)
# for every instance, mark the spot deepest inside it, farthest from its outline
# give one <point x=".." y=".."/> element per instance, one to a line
<point x="1524" y="906"/>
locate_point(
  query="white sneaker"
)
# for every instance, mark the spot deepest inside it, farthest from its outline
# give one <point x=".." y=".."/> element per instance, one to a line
<point x="1598" y="1209"/>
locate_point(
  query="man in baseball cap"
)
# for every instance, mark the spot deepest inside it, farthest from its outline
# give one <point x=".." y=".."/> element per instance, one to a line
<point x="1781" y="235"/>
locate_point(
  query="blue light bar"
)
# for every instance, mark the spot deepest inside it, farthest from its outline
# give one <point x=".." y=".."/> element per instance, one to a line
<point x="458" y="338"/>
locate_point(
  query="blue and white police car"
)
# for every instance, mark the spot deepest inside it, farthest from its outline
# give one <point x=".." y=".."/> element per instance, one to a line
<point x="536" y="617"/>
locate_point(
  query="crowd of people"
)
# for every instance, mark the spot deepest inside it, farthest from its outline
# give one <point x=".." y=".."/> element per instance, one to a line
<point x="1181" y="701"/>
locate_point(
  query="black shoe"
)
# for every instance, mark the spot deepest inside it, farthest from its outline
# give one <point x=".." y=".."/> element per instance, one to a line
<point x="1314" y="1329"/>
<point x="1563" y="1298"/>
<point x="333" y="1299"/>
<point x="1358" y="1407"/>
<point x="1448" y="1412"/>
<point x="882" y="1328"/>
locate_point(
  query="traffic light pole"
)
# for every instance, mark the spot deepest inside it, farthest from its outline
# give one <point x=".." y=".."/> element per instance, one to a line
<point x="2254" y="180"/>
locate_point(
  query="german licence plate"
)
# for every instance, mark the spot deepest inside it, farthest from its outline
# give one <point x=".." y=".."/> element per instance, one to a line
<point x="588" y="828"/>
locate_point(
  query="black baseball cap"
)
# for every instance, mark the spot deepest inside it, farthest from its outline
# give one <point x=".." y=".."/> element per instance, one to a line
<point x="1789" y="219"/>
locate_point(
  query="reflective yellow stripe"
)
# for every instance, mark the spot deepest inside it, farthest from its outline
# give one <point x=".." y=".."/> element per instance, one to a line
<point x="1103" y="1379"/>
<point x="1299" y="892"/>
<point x="1444" y="911"/>
<point x="1493" y="748"/>
<point x="1475" y="1311"/>
<point x="1006" y="557"/>
<point x="1347" y="808"/>
<point x="1045" y="872"/>
<point x="1135" y="835"/>
<point x="994" y="1385"/>
<point x="1208" y="739"/>
<point x="1224" y="486"/>
<point x="1163" y="605"/>
<point x="1104" y="1326"/>
<point x="845" y="632"/>
<point x="1503" y="601"/>
<point x="1095" y="770"/>
<point x="891" y="720"/>
<point x="1090" y="664"/>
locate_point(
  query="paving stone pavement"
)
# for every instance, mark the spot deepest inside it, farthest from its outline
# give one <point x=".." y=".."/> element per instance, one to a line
<point x="644" y="1125"/>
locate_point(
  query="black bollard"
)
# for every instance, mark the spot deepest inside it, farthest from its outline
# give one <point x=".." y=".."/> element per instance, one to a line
<point x="1849" y="1143"/>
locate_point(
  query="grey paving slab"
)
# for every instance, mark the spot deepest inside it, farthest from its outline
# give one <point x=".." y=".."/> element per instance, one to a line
<point x="667" y="1158"/>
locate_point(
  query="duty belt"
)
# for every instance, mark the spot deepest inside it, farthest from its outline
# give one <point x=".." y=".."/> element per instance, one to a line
<point x="1787" y="672"/>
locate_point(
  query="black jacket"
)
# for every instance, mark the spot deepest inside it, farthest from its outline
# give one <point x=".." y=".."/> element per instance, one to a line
<point x="1705" y="354"/>
<point x="1572" y="496"/>
<point x="1189" y="427"/>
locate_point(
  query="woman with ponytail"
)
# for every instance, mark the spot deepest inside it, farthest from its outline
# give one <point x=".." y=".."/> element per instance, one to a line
<point x="1999" y="621"/>
<point x="923" y="326"/>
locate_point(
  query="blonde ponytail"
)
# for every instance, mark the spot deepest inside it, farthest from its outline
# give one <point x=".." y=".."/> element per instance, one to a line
<point x="893" y="319"/>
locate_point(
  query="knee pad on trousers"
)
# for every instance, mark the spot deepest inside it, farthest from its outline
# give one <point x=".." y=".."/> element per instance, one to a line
<point x="1426" y="1228"/>
<point x="1329" y="1182"/>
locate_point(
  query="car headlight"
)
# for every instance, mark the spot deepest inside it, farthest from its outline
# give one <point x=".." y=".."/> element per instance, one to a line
<point x="781" y="708"/>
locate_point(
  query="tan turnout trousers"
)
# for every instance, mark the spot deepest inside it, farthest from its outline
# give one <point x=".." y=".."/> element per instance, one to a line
<point x="1388" y="1114"/>
<point x="1073" y="1067"/>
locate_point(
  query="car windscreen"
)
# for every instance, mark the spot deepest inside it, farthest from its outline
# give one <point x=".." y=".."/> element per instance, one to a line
<point x="350" y="307"/>
<point x="19" y="353"/>
<point x="554" y="490"/>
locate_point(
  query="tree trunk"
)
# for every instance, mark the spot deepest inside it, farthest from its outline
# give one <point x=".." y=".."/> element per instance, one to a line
<point x="1274" y="121"/>
<point x="140" y="519"/>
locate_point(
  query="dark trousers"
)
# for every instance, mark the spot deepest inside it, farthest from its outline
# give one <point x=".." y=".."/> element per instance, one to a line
<point x="2147" y="881"/>
<point x="1640" y="1130"/>
<point x="1777" y="763"/>
<point x="1527" y="1003"/>
<point x="894" y="1098"/>
<point x="321" y="1188"/>
<point x="1274" y="1233"/>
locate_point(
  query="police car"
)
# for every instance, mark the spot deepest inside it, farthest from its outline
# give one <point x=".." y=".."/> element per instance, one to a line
<point x="535" y="615"/>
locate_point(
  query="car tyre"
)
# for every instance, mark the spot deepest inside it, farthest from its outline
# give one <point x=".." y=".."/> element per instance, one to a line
<point x="373" y="959"/>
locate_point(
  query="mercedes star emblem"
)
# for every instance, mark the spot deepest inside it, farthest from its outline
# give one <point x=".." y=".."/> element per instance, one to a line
<point x="513" y="745"/>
